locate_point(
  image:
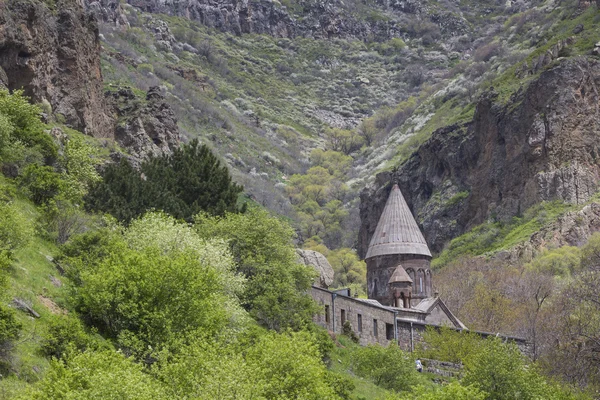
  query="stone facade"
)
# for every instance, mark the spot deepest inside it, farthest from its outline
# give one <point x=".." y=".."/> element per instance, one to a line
<point x="372" y="323"/>
<point x="381" y="268"/>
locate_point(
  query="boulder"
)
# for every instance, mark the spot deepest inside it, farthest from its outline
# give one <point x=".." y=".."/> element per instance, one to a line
<point x="320" y="264"/>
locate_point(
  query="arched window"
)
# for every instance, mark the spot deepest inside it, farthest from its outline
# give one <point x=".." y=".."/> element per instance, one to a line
<point x="428" y="282"/>
<point x="421" y="281"/>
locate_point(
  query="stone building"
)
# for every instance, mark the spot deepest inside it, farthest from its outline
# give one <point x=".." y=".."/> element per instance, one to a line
<point x="402" y="301"/>
<point x="398" y="258"/>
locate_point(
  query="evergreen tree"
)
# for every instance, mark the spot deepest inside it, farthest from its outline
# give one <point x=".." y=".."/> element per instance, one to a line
<point x="182" y="184"/>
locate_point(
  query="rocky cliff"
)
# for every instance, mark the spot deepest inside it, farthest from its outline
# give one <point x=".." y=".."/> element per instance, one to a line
<point x="541" y="145"/>
<point x="309" y="18"/>
<point x="53" y="55"/>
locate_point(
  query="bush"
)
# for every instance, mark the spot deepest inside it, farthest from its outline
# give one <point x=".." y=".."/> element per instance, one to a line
<point x="9" y="331"/>
<point x="41" y="183"/>
<point x="65" y="333"/>
<point x="96" y="375"/>
<point x="21" y="122"/>
<point x="388" y="367"/>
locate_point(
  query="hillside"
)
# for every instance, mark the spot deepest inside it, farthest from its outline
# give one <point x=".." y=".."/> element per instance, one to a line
<point x="132" y="261"/>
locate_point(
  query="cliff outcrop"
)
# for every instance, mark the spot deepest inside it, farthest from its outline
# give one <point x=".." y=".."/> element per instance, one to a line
<point x="53" y="55"/>
<point x="541" y="145"/>
<point x="317" y="19"/>
<point x="145" y="126"/>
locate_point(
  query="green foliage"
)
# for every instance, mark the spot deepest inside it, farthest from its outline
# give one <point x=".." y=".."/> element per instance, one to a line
<point x="155" y="284"/>
<point x="79" y="161"/>
<point x="9" y="332"/>
<point x="500" y="371"/>
<point x="276" y="292"/>
<point x="182" y="184"/>
<point x="64" y="334"/>
<point x="457" y="198"/>
<point x="15" y="228"/>
<point x="494" y="236"/>
<point x="41" y="183"/>
<point x="451" y="391"/>
<point x="388" y="367"/>
<point x="347" y="330"/>
<point x="446" y="344"/>
<point x="20" y="123"/>
<point x="274" y="366"/>
<point x="590" y="253"/>
<point x="96" y="375"/>
<point x="563" y="261"/>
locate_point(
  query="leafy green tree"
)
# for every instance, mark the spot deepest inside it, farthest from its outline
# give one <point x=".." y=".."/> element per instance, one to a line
<point x="79" y="161"/>
<point x="272" y="366"/>
<point x="447" y="344"/>
<point x="276" y="294"/>
<point x="500" y="370"/>
<point x="182" y="184"/>
<point x="388" y="367"/>
<point x="41" y="183"/>
<point x="156" y="284"/>
<point x="96" y="375"/>
<point x="66" y="333"/>
<point x="563" y="261"/>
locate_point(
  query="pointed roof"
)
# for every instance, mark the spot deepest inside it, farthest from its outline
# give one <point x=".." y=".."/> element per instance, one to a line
<point x="399" y="275"/>
<point x="397" y="231"/>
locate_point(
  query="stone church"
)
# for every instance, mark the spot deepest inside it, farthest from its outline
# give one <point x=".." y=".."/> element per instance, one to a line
<point x="401" y="297"/>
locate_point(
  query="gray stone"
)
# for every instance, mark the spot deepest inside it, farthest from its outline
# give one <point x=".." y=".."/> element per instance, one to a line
<point x="319" y="263"/>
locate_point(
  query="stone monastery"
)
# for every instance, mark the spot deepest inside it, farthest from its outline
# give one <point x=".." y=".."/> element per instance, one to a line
<point x="401" y="300"/>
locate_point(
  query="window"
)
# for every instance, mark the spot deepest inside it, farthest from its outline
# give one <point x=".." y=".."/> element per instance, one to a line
<point x="375" y="328"/>
<point x="343" y="316"/>
<point x="359" y="324"/>
<point x="327" y="313"/>
<point x="389" y="331"/>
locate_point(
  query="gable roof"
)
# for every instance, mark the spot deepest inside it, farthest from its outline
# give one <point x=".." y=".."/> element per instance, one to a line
<point x="427" y="305"/>
<point x="397" y="231"/>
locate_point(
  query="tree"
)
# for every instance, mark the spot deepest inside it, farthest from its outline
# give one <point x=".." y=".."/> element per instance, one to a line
<point x="271" y="366"/>
<point x="156" y="284"/>
<point x="276" y="293"/>
<point x="182" y="184"/>
<point x="499" y="370"/>
<point x="96" y="375"/>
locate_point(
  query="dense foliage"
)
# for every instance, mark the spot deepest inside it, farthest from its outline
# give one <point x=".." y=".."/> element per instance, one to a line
<point x="276" y="293"/>
<point x="181" y="184"/>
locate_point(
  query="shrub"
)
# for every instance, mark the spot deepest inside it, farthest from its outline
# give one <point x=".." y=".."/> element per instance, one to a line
<point x="41" y="183"/>
<point x="388" y="367"/>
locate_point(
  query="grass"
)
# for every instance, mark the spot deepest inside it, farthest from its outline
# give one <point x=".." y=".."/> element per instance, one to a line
<point x="341" y="362"/>
<point x="492" y="237"/>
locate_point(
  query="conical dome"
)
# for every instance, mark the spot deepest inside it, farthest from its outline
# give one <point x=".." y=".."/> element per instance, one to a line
<point x="397" y="231"/>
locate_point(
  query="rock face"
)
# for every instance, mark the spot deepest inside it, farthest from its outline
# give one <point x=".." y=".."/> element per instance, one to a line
<point x="54" y="57"/>
<point x="109" y="11"/>
<point x="320" y="264"/>
<point x="319" y="19"/>
<point x="542" y="145"/>
<point x="144" y="127"/>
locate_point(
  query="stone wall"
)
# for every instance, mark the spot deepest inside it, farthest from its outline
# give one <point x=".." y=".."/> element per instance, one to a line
<point x="381" y="268"/>
<point x="337" y="308"/>
<point x="411" y="333"/>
